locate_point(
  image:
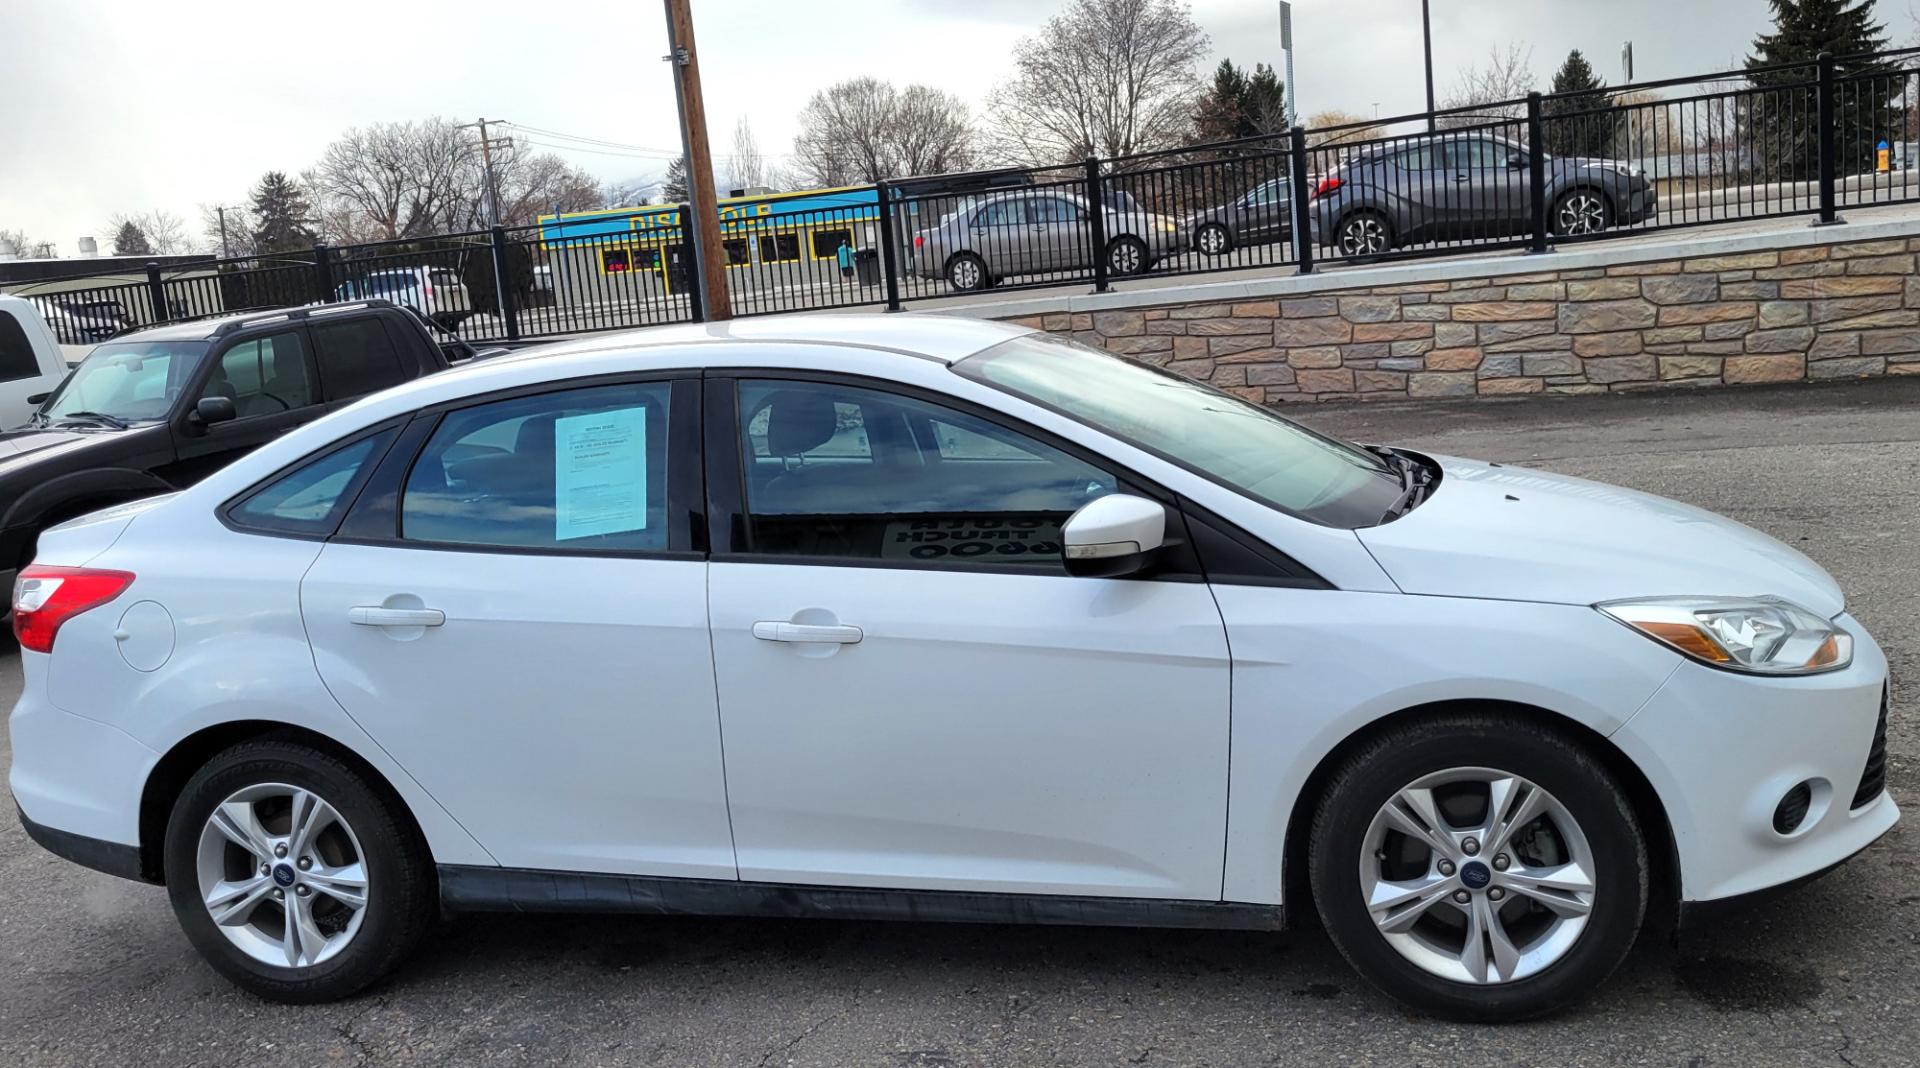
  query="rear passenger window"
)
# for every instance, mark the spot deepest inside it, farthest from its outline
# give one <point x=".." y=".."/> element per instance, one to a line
<point x="310" y="499"/>
<point x="580" y="469"/>
<point x="356" y="357"/>
<point x="16" y="352"/>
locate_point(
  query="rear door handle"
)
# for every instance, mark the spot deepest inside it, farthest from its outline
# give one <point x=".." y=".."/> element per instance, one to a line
<point x="369" y="615"/>
<point x="769" y="630"/>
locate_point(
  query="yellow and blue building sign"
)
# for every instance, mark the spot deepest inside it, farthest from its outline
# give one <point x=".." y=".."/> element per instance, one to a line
<point x="769" y="229"/>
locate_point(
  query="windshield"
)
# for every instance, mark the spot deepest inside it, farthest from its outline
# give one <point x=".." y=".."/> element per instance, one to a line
<point x="129" y="380"/>
<point x="1221" y="437"/>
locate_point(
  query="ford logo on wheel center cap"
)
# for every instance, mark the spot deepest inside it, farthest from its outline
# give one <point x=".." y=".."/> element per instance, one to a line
<point x="1474" y="875"/>
<point x="283" y="875"/>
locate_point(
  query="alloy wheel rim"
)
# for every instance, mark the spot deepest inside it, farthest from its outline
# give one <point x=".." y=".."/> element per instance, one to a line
<point x="1582" y="214"/>
<point x="1125" y="258"/>
<point x="966" y="274"/>
<point x="1213" y="240"/>
<point x="1477" y="876"/>
<point x="1364" y="236"/>
<point x="282" y="875"/>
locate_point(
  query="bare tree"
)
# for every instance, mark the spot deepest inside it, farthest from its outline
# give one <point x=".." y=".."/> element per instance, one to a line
<point x="631" y="193"/>
<point x="17" y="243"/>
<point x="1105" y="77"/>
<point x="747" y="167"/>
<point x="1496" y="91"/>
<point x="417" y="179"/>
<point x="1319" y="130"/>
<point x="533" y="185"/>
<point x="864" y="130"/>
<point x="160" y="233"/>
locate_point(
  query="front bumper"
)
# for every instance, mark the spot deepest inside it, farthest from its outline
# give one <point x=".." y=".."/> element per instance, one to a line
<point x="1721" y="750"/>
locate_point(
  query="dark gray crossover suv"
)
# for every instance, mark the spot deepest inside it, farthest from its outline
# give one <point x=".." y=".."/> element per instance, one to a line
<point x="1467" y="187"/>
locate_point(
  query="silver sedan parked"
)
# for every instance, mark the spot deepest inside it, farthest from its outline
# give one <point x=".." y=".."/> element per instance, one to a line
<point x="1039" y="232"/>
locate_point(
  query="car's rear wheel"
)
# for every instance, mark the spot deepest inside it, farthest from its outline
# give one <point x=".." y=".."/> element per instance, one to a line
<point x="1127" y="255"/>
<point x="293" y="875"/>
<point x="1213" y="240"/>
<point x="1481" y="867"/>
<point x="1580" y="212"/>
<point x="1365" y="233"/>
<point x="967" y="272"/>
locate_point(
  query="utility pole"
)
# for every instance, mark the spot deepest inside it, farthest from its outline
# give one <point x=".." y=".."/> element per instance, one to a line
<point x="221" y="211"/>
<point x="693" y="137"/>
<point x="486" y="161"/>
<point x="1426" y="34"/>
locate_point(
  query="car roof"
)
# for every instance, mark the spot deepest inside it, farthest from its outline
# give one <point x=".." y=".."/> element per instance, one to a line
<point x="204" y="329"/>
<point x="945" y="338"/>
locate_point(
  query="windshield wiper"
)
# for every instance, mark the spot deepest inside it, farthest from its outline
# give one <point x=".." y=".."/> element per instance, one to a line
<point x="1415" y="481"/>
<point x="102" y="418"/>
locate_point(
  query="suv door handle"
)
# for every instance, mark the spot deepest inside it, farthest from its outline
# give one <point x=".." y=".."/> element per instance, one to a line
<point x="370" y="615"/>
<point x="770" y="630"/>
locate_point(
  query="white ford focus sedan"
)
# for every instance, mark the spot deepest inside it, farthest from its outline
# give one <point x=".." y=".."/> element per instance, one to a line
<point x="906" y="617"/>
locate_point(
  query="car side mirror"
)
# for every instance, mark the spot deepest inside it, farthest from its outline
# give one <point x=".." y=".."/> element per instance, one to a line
<point x="1118" y="534"/>
<point x="211" y="410"/>
<point x="39" y="398"/>
<point x="1517" y="161"/>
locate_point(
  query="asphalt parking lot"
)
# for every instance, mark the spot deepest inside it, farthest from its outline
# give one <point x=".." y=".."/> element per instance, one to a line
<point x="93" y="970"/>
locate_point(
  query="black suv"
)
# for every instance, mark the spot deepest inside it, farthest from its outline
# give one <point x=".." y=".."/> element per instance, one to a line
<point x="157" y="409"/>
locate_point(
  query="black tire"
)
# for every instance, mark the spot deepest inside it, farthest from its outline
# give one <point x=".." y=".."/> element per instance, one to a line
<point x="1370" y="776"/>
<point x="1364" y="233"/>
<point x="967" y="273"/>
<point x="1581" y="212"/>
<point x="1216" y="234"/>
<point x="402" y="897"/>
<point x="1128" y="255"/>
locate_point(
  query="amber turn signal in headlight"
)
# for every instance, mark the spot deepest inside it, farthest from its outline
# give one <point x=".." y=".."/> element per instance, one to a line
<point x="1762" y="635"/>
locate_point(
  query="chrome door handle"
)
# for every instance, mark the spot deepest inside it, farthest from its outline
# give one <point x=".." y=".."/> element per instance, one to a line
<point x="370" y="615"/>
<point x="769" y="630"/>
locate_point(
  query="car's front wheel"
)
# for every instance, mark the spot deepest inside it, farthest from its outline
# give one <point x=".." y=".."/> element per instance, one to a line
<point x="1128" y="255"/>
<point x="293" y="875"/>
<point x="1580" y="212"/>
<point x="1365" y="233"/>
<point x="1479" y="866"/>
<point x="1213" y="240"/>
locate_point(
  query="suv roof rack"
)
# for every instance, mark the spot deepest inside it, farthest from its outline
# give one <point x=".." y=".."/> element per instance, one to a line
<point x="296" y="314"/>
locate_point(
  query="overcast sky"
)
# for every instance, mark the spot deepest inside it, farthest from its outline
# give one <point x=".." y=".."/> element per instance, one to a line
<point x="118" y="106"/>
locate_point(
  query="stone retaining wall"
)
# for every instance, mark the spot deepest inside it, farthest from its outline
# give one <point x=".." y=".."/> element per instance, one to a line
<point x="1839" y="310"/>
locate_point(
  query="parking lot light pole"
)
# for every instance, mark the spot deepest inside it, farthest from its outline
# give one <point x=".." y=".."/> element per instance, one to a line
<point x="1426" y="36"/>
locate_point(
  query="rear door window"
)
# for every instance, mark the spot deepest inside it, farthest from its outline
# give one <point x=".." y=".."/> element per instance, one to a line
<point x="16" y="352"/>
<point x="580" y="469"/>
<point x="356" y="357"/>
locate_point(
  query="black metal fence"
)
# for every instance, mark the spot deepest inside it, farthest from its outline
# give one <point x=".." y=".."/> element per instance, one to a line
<point x="1798" y="139"/>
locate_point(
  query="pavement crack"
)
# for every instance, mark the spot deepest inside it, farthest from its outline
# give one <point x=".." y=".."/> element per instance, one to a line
<point x="363" y="1053"/>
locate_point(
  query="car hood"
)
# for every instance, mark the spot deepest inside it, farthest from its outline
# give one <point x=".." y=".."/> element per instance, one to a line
<point x="1517" y="534"/>
<point x="29" y="445"/>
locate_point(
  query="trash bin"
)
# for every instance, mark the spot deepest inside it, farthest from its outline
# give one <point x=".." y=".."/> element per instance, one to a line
<point x="866" y="263"/>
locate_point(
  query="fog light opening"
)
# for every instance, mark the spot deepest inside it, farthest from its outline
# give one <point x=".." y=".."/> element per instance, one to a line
<point x="1791" y="813"/>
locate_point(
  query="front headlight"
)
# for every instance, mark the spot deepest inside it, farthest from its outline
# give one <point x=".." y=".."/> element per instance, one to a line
<point x="1168" y="226"/>
<point x="1762" y="635"/>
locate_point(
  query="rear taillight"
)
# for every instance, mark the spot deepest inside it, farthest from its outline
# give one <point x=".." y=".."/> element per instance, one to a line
<point x="44" y="597"/>
<point x="1327" y="185"/>
<point x="918" y="241"/>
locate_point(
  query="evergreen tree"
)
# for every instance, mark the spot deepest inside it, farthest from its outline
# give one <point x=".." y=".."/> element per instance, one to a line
<point x="1776" y="125"/>
<point x="130" y="241"/>
<point x="1583" y="122"/>
<point x="1238" y="104"/>
<point x="673" y="188"/>
<point x="282" y="220"/>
